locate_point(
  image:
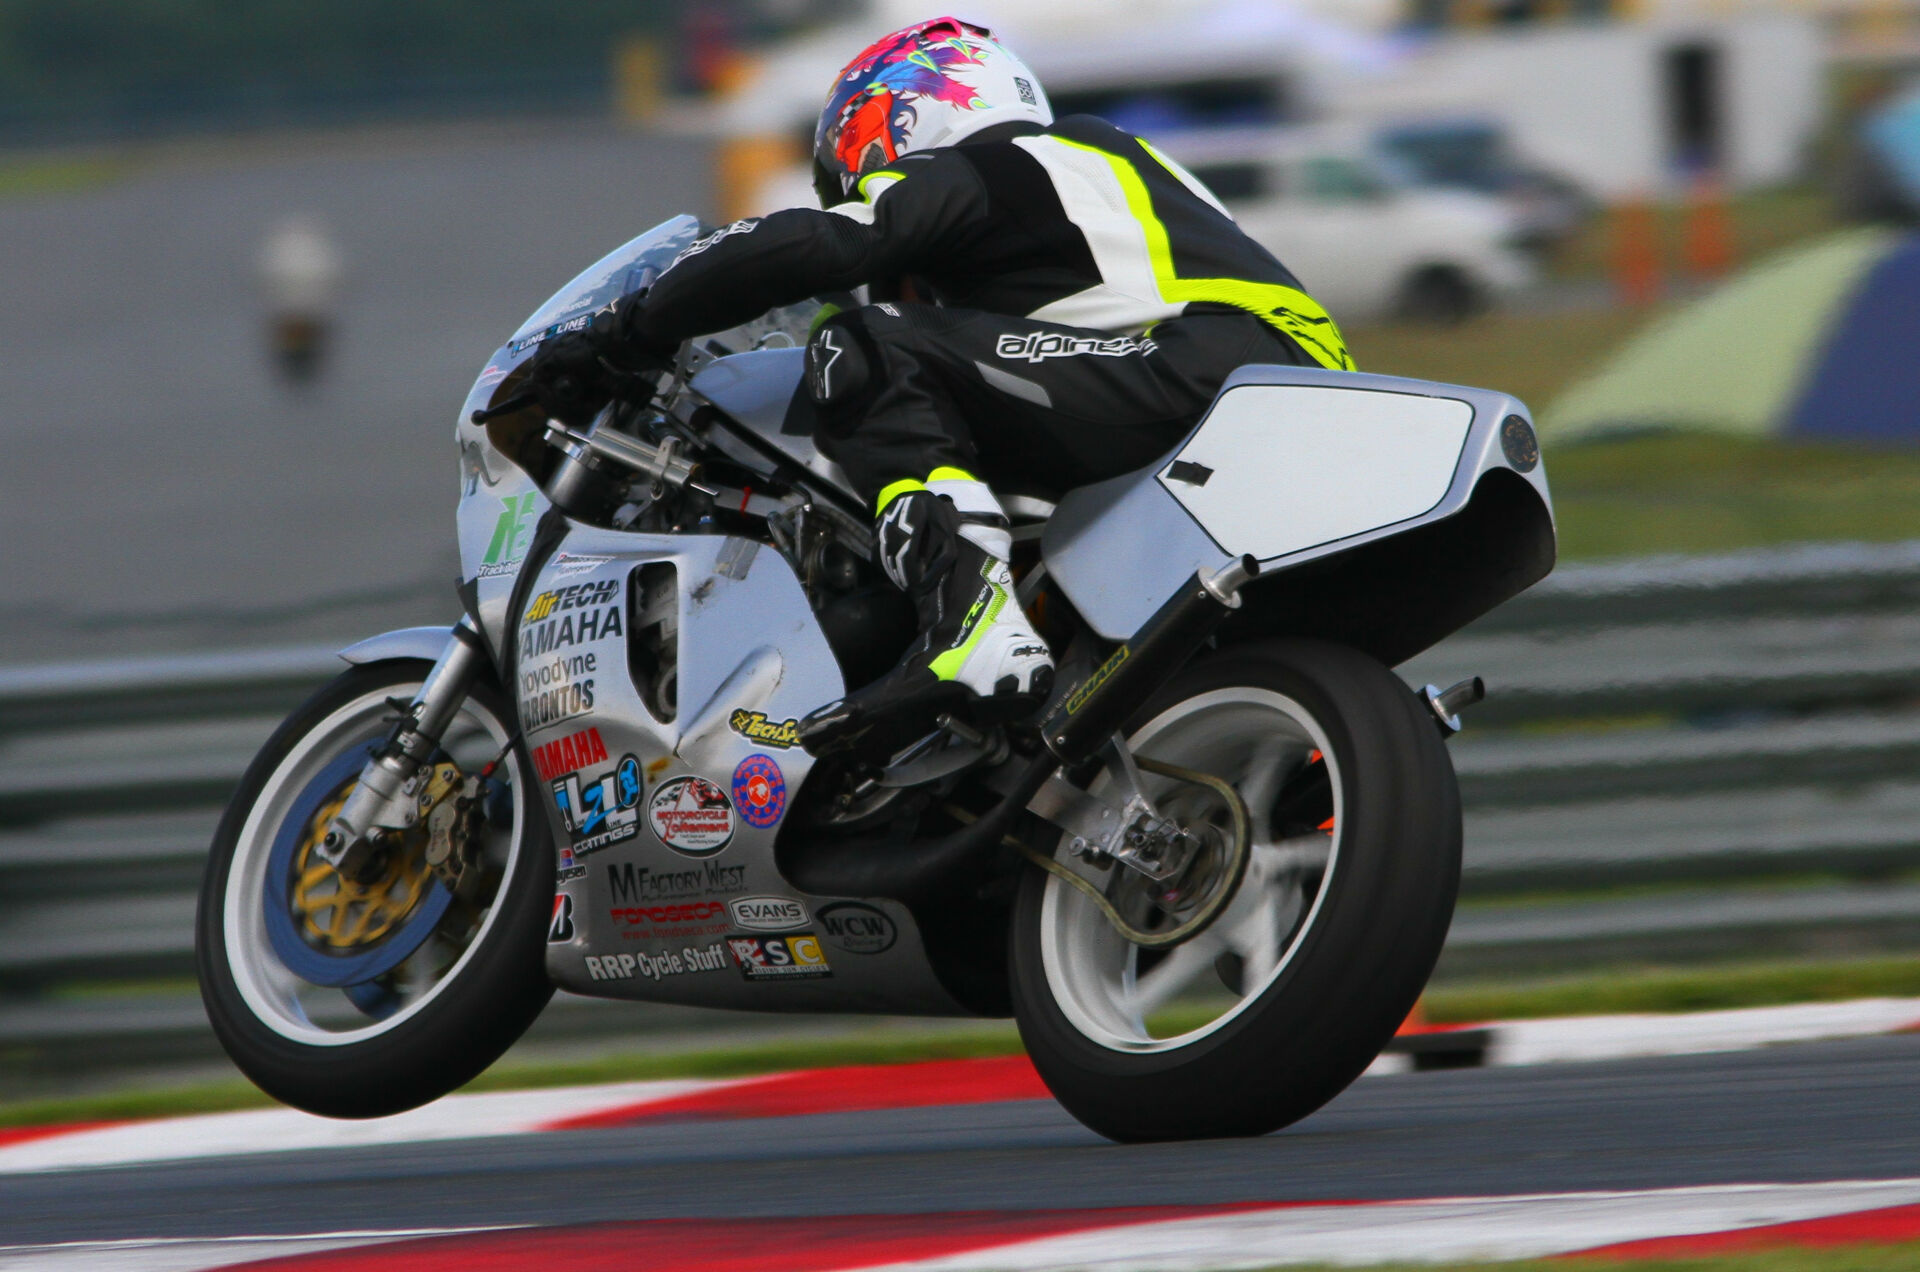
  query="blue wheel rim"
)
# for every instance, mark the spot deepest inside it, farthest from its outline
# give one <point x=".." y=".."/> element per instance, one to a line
<point x="317" y="967"/>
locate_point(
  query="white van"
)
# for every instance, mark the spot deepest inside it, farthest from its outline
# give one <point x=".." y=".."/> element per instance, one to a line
<point x="1364" y="238"/>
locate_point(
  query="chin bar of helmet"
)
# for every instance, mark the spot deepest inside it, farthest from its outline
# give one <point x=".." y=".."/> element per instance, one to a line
<point x="1082" y="721"/>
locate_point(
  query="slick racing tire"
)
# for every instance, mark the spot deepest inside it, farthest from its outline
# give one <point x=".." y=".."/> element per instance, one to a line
<point x="1262" y="1017"/>
<point x="360" y="998"/>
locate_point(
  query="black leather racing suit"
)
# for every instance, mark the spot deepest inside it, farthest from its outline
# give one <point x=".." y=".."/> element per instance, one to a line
<point x="1092" y="296"/>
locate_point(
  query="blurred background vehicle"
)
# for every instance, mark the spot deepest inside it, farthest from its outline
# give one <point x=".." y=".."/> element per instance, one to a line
<point x="1367" y="237"/>
<point x="1697" y="756"/>
<point x="1476" y="155"/>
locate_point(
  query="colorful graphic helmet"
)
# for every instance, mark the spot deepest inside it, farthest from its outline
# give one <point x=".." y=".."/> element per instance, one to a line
<point x="929" y="85"/>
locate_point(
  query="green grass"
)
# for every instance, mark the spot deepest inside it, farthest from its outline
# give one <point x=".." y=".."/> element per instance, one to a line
<point x="58" y="174"/>
<point x="1895" y="1257"/>
<point x="1658" y="493"/>
<point x="1710" y="988"/>
<point x="1699" y="493"/>
<point x="875" y="1047"/>
<point x="1761" y="222"/>
<point x="864" y="1047"/>
<point x="1532" y="356"/>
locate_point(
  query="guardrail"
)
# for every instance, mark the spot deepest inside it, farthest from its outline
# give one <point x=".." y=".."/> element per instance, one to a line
<point x="1670" y="749"/>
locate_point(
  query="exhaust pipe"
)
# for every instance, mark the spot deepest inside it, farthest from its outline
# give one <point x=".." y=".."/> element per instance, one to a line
<point x="1080" y="724"/>
<point x="1094" y="711"/>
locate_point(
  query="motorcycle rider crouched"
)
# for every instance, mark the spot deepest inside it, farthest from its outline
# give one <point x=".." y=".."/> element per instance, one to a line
<point x="1090" y="297"/>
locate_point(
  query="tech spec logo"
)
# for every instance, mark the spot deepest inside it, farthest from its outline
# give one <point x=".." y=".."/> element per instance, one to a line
<point x="602" y="811"/>
<point x="754" y="726"/>
<point x="780" y="957"/>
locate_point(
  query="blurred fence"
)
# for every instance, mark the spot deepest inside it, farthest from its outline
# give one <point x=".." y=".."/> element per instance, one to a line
<point x="1678" y="759"/>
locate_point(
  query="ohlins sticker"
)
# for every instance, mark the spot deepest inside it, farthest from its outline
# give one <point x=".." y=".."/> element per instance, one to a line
<point x="755" y="727"/>
<point x="602" y="811"/>
<point x="692" y="816"/>
<point x="694" y="958"/>
<point x="1038" y="346"/>
<point x="759" y="791"/>
<point x="779" y="957"/>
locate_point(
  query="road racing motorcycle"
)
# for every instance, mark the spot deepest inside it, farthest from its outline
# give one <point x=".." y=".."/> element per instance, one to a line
<point x="1208" y="880"/>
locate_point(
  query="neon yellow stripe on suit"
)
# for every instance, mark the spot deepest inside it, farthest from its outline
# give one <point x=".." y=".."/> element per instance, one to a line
<point x="1287" y="308"/>
<point x="908" y="485"/>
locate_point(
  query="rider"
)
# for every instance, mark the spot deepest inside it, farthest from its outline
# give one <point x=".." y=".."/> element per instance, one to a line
<point x="1052" y="303"/>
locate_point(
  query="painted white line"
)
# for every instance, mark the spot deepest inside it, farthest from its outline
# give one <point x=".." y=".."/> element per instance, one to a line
<point x="193" y="1254"/>
<point x="276" y="1130"/>
<point x="1690" y="1033"/>
<point x="1437" y="1231"/>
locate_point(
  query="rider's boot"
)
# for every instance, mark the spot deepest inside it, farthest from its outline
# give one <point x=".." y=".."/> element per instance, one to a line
<point x="946" y="544"/>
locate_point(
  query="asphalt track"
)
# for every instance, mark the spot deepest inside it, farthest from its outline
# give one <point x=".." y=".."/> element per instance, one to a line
<point x="1793" y="1114"/>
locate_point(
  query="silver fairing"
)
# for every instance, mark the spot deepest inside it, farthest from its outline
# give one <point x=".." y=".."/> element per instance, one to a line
<point x="499" y="503"/>
<point x="666" y="861"/>
<point x="1291" y="466"/>
<point x="665" y="807"/>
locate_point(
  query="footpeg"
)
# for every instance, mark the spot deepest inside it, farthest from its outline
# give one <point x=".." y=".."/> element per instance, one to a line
<point x="953" y="746"/>
<point x="1448" y="703"/>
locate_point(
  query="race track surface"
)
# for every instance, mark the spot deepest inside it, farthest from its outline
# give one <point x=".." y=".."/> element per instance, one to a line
<point x="1803" y="1113"/>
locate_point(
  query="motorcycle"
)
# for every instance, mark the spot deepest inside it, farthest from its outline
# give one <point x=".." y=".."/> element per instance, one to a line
<point x="1208" y="881"/>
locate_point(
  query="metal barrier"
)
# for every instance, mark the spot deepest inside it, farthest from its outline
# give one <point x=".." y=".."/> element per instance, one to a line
<point x="1678" y="757"/>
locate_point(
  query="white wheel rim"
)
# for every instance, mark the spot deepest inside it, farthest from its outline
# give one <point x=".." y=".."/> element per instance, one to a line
<point x="294" y="1008"/>
<point x="1254" y="738"/>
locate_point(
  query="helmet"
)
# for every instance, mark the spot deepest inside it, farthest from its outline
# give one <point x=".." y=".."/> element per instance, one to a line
<point x="928" y="85"/>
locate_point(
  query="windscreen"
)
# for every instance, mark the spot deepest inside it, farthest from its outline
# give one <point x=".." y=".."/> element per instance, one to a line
<point x="627" y="268"/>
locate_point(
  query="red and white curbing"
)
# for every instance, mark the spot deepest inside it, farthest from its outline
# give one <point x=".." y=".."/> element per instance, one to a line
<point x="862" y="1088"/>
<point x="1622" y="1037"/>
<point x="1648" y="1223"/>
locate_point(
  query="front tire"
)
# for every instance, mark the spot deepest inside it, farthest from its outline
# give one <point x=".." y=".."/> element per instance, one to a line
<point x="1281" y="1003"/>
<point x="365" y="1000"/>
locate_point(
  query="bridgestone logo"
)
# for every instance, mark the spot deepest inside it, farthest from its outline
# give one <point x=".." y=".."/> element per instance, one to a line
<point x="1038" y="346"/>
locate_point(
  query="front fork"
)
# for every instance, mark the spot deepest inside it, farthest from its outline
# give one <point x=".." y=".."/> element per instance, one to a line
<point x="385" y="802"/>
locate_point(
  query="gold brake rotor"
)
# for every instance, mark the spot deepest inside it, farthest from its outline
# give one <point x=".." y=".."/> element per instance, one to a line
<point x="339" y="913"/>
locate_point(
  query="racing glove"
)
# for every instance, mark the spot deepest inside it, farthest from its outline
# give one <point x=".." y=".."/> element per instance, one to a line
<point x="574" y="375"/>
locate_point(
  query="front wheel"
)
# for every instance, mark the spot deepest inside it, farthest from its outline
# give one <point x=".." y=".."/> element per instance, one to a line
<point x="1287" y="997"/>
<point x="367" y="996"/>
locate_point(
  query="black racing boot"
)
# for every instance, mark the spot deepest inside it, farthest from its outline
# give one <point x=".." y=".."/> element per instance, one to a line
<point x="946" y="545"/>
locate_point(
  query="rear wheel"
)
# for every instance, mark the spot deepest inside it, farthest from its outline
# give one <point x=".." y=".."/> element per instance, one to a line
<point x="1286" y="998"/>
<point x="363" y="997"/>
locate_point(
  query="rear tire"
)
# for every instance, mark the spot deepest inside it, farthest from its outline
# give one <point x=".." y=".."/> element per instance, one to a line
<point x="410" y="1005"/>
<point x="1323" y="951"/>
